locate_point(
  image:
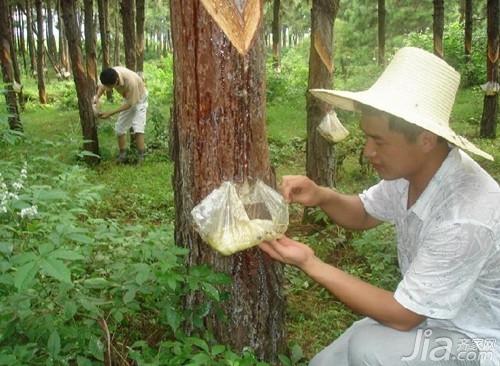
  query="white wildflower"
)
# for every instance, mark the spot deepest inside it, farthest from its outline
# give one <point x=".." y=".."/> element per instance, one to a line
<point x="13" y="196"/>
<point x="17" y="186"/>
<point x="29" y="212"/>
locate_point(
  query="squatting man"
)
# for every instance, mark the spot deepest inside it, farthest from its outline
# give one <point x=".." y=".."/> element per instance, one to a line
<point x="132" y="113"/>
<point x="445" y="209"/>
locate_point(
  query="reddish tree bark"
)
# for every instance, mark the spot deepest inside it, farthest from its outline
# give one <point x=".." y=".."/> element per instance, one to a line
<point x="90" y="43"/>
<point x="219" y="134"/>
<point x="85" y="86"/>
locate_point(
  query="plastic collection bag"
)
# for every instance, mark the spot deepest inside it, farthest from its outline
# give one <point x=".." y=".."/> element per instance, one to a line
<point x="237" y="217"/>
<point x="331" y="128"/>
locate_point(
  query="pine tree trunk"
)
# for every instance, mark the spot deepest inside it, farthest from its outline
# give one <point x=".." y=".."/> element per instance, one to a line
<point x="90" y="43"/>
<point x="139" y="16"/>
<point x="468" y="29"/>
<point x="116" y="49"/>
<point x="63" y="42"/>
<point x="381" y="32"/>
<point x="438" y="27"/>
<point x="490" y="107"/>
<point x="7" y="69"/>
<point x="128" y="23"/>
<point x="103" y="6"/>
<point x="13" y="53"/>
<point x="276" y="36"/>
<point x="29" y="33"/>
<point x="22" y="43"/>
<point x="219" y="134"/>
<point x="320" y="153"/>
<point x="42" y="95"/>
<point x="51" y="39"/>
<point x="85" y="87"/>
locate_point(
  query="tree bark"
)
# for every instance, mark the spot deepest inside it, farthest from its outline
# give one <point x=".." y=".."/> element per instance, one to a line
<point x="490" y="106"/>
<point x="219" y="134"/>
<point x="320" y="154"/>
<point x="29" y="33"/>
<point x="42" y="94"/>
<point x="116" y="50"/>
<point x="84" y="85"/>
<point x="139" y="16"/>
<point x="128" y="23"/>
<point x="276" y="36"/>
<point x="438" y="27"/>
<point x="90" y="43"/>
<point x="381" y="32"/>
<point x="468" y="29"/>
<point x="51" y="39"/>
<point x="103" y="6"/>
<point x="63" y="42"/>
<point x="7" y="69"/>
<point x="12" y="41"/>
<point x="22" y="43"/>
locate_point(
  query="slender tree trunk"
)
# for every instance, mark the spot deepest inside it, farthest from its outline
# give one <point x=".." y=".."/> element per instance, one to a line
<point x="90" y="43"/>
<point x="29" y="34"/>
<point x="15" y="64"/>
<point x="85" y="87"/>
<point x="22" y="43"/>
<point x="42" y="95"/>
<point x="51" y="39"/>
<point x="438" y="27"/>
<point x="468" y="29"/>
<point x="139" y="16"/>
<point x="103" y="6"/>
<point x="490" y="106"/>
<point x="63" y="42"/>
<point x="7" y="68"/>
<point x="128" y="22"/>
<point x="276" y="36"/>
<point x="320" y="159"/>
<point x="116" y="50"/>
<point x="219" y="134"/>
<point x="381" y="32"/>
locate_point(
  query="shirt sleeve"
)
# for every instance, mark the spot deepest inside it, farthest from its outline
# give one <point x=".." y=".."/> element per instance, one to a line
<point x="445" y="269"/>
<point x="378" y="201"/>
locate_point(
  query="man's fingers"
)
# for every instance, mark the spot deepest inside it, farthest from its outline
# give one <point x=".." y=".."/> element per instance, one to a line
<point x="271" y="251"/>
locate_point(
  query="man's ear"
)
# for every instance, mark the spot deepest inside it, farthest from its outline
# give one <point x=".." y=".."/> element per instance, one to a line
<point x="427" y="140"/>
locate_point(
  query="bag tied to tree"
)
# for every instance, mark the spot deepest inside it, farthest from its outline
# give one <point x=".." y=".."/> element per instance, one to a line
<point x="331" y="128"/>
<point x="235" y="217"/>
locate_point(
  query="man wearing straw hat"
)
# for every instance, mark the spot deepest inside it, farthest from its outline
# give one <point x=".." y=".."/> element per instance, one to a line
<point x="446" y="309"/>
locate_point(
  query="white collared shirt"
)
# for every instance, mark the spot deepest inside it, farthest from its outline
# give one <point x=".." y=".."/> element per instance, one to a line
<point x="448" y="247"/>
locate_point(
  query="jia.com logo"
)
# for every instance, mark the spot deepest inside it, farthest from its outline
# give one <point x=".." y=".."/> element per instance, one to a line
<point x="442" y="348"/>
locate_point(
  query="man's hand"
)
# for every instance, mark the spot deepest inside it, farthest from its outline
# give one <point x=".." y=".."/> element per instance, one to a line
<point x="105" y="115"/>
<point x="300" y="189"/>
<point x="289" y="251"/>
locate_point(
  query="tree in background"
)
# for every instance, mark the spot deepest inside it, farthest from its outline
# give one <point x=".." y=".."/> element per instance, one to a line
<point x="320" y="154"/>
<point x="219" y="134"/>
<point x="129" y="40"/>
<point x="276" y="35"/>
<point x="438" y="27"/>
<point x="29" y="35"/>
<point x="84" y="83"/>
<point x="490" y="106"/>
<point x="7" y="68"/>
<point x="42" y="94"/>
<point x="468" y="12"/>
<point x="63" y="42"/>
<point x="139" y="16"/>
<point x="90" y="43"/>
<point x="51" y="39"/>
<point x="381" y="32"/>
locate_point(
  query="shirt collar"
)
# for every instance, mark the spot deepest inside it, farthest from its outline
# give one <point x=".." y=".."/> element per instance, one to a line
<point x="423" y="205"/>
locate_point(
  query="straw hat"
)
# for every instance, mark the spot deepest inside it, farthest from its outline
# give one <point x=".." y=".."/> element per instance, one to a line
<point x="416" y="86"/>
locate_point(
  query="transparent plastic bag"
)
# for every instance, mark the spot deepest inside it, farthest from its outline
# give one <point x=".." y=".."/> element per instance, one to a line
<point x="235" y="217"/>
<point x="331" y="128"/>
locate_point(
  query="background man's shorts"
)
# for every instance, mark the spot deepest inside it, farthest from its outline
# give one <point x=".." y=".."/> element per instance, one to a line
<point x="134" y="117"/>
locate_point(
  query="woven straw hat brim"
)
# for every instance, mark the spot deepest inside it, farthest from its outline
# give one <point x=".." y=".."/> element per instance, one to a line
<point x="346" y="100"/>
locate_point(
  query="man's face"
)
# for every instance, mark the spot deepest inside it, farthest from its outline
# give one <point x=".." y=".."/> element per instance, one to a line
<point x="389" y="152"/>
